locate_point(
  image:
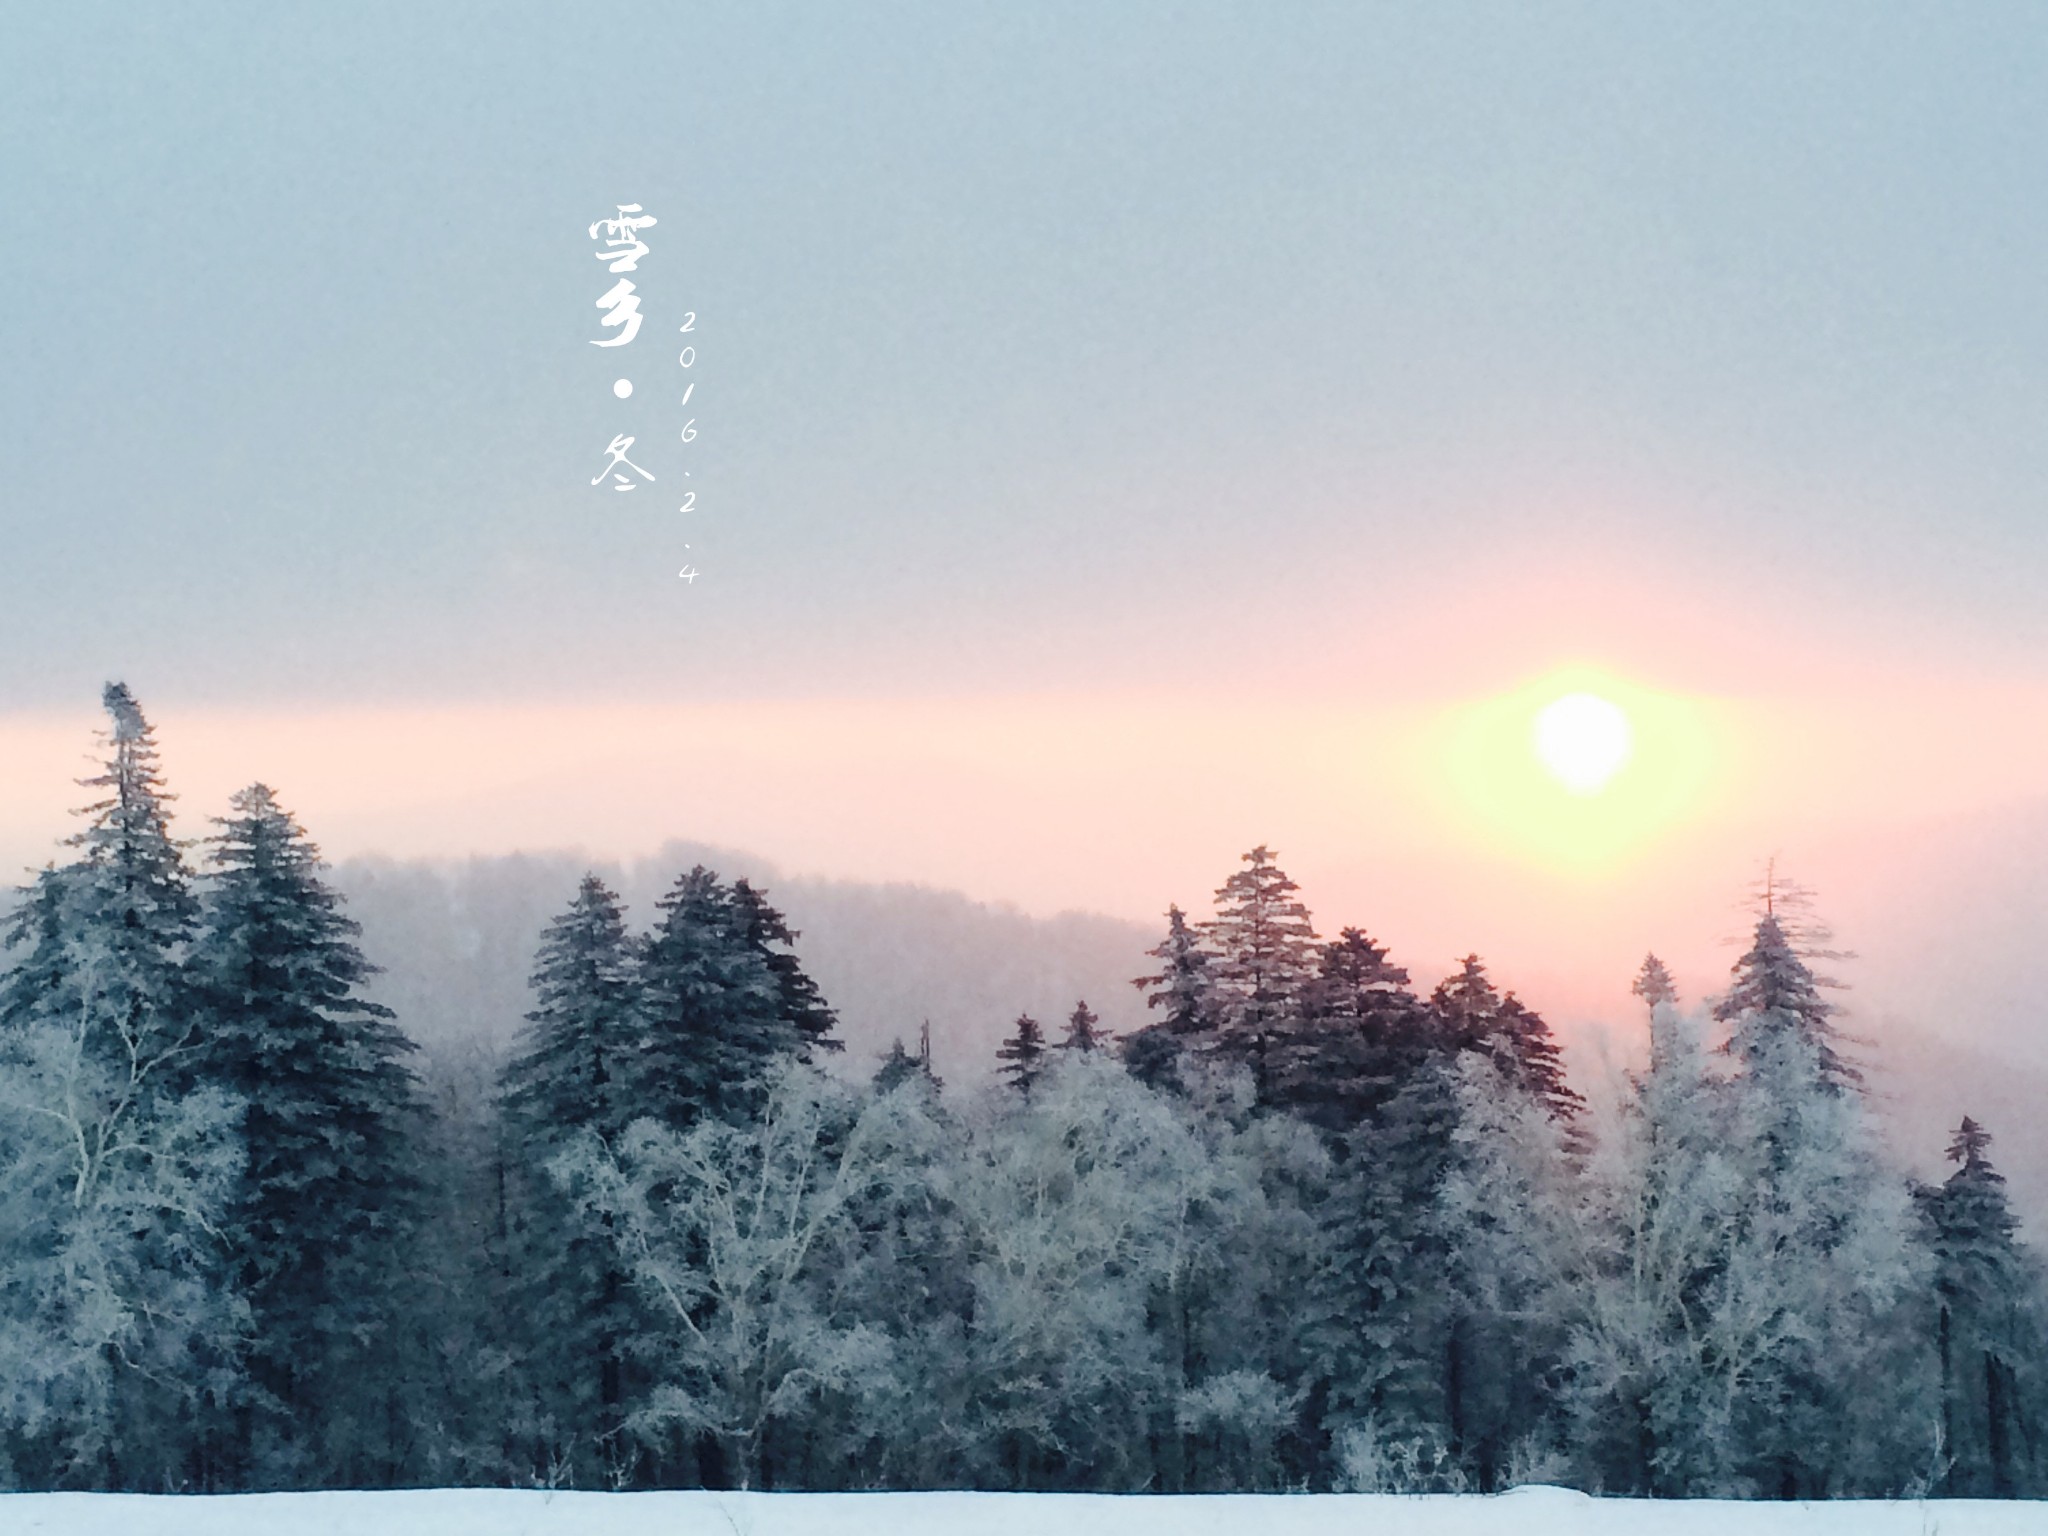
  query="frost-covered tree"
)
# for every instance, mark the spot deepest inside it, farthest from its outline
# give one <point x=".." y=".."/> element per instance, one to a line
<point x="1809" y="1300"/>
<point x="725" y="1227"/>
<point x="1774" y="990"/>
<point x="1183" y="993"/>
<point x="1749" y="1329"/>
<point x="328" y="1123"/>
<point x="1653" y="983"/>
<point x="576" y="1075"/>
<point x="714" y="1010"/>
<point x="1264" y="947"/>
<point x="575" y="1069"/>
<point x="112" y="1323"/>
<point x="1130" y="1278"/>
<point x="1988" y="1332"/>
<point x="899" y="1264"/>
<point x="1084" y="1031"/>
<point x="900" y="1065"/>
<point x="1664" y="1190"/>
<point x="1511" y="1201"/>
<point x="104" y="939"/>
<point x="99" y="987"/>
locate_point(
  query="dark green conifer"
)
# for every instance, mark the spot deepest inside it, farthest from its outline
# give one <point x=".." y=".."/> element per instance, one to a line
<point x="315" y="1238"/>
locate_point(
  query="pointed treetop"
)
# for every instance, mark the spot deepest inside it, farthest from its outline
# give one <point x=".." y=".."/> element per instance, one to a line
<point x="1185" y="984"/>
<point x="1262" y="937"/>
<point x="127" y="715"/>
<point x="802" y="1004"/>
<point x="1774" y="990"/>
<point x="1474" y="1017"/>
<point x="1353" y="963"/>
<point x="1466" y="1002"/>
<point x="1794" y="907"/>
<point x="130" y="826"/>
<point x="1083" y="1031"/>
<point x="576" y="1064"/>
<point x="1653" y="983"/>
<point x="1023" y="1054"/>
<point x="1969" y="1144"/>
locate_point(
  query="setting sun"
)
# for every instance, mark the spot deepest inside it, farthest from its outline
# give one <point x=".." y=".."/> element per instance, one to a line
<point x="1578" y="769"/>
<point x="1584" y="741"/>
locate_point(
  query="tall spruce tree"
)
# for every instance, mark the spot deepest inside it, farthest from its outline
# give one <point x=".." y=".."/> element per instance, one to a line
<point x="1183" y="991"/>
<point x="1653" y="983"/>
<point x="1987" y="1332"/>
<point x="1775" y="990"/>
<point x="1084" y="1031"/>
<point x="1357" y="1036"/>
<point x="1821" y="1255"/>
<point x="1264" y="944"/>
<point x="1023" y="1055"/>
<point x="39" y="933"/>
<point x="575" y="1075"/>
<point x="330" y="1114"/>
<point x="575" y="1068"/>
<point x="1775" y="986"/>
<point x="1372" y="1067"/>
<point x="801" y="1004"/>
<point x="715" y="1013"/>
<point x="104" y="974"/>
<point x="1483" y="1381"/>
<point x="106" y="936"/>
<point x="1474" y="1017"/>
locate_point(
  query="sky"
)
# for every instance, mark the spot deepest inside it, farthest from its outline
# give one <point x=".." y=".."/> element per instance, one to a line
<point x="1125" y="435"/>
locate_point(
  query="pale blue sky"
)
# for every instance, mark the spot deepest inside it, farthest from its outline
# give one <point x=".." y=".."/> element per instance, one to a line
<point x="1039" y="345"/>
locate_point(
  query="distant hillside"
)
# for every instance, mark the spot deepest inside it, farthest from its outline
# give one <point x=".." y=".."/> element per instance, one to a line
<point x="1948" y="993"/>
<point x="456" y="940"/>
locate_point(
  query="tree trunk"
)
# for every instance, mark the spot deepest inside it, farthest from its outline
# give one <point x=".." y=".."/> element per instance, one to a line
<point x="1948" y="1406"/>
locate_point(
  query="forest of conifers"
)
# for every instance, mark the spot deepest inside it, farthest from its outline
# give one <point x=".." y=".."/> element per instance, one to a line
<point x="1312" y="1227"/>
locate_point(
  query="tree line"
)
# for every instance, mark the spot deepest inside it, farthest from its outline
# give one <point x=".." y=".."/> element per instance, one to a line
<point x="1309" y="1228"/>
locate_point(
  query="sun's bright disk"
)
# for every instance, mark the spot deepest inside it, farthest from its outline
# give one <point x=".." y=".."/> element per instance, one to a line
<point x="1583" y="740"/>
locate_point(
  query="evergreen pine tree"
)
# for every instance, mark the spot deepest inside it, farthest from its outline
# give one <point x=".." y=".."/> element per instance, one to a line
<point x="1473" y="1017"/>
<point x="1356" y="1038"/>
<point x="575" y="1076"/>
<point x="1372" y="1066"/>
<point x="107" y="936"/>
<point x="1986" y="1335"/>
<point x="1264" y="945"/>
<point x="1817" y="1267"/>
<point x="1084" y="1033"/>
<point x="1776" y="986"/>
<point x="575" y="1068"/>
<point x="38" y="931"/>
<point x="713" y="1009"/>
<point x="800" y="1002"/>
<point x="329" y="1111"/>
<point x="1653" y="983"/>
<point x="106" y="940"/>
<point x="1023" y="1055"/>
<point x="1184" y="990"/>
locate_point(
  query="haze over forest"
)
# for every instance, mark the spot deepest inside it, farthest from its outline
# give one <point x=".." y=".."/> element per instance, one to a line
<point x="1944" y="1028"/>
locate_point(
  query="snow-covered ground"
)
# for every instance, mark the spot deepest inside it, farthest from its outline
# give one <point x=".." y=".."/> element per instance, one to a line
<point x="495" y="1512"/>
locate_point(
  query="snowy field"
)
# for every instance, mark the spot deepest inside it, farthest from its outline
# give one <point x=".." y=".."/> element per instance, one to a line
<point x="497" y="1512"/>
